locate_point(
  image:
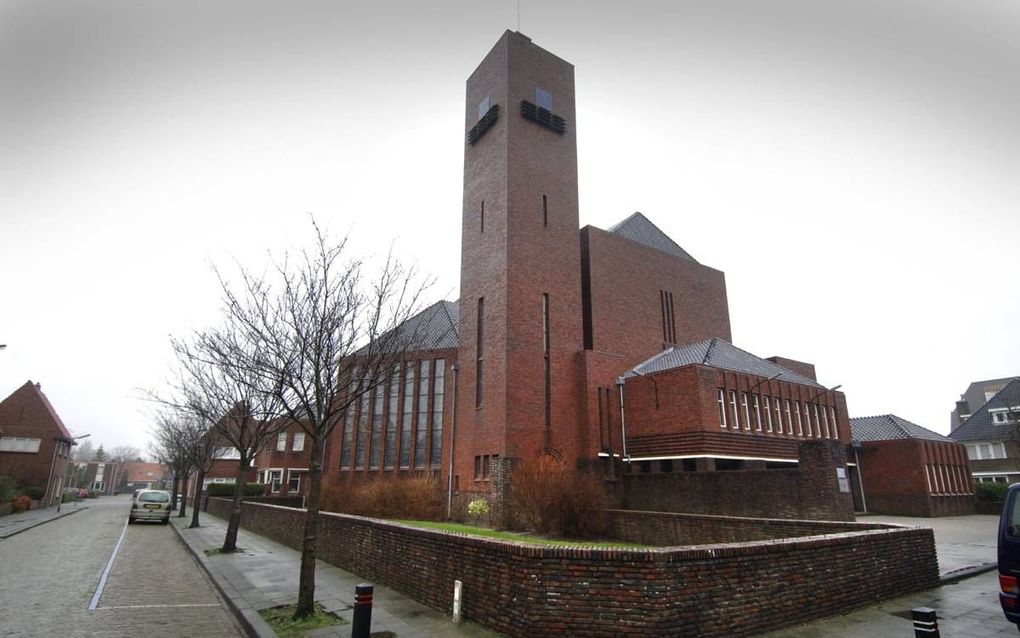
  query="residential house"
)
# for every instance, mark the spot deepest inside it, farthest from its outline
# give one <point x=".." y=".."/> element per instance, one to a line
<point x="992" y="436"/>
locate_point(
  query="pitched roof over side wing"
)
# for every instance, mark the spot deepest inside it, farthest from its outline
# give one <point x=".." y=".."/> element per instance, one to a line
<point x="638" y="228"/>
<point x="886" y="427"/>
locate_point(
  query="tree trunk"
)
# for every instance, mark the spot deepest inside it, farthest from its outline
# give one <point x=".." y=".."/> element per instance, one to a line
<point x="234" y="522"/>
<point x="184" y="497"/>
<point x="197" y="505"/>
<point x="306" y="587"/>
<point x="173" y="495"/>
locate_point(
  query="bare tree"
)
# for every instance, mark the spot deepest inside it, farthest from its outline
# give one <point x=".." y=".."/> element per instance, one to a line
<point x="84" y="451"/>
<point x="218" y="384"/>
<point x="126" y="454"/>
<point x="323" y="334"/>
<point x="170" y="450"/>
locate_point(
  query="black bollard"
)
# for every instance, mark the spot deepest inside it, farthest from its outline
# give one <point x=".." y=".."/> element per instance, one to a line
<point x="926" y="624"/>
<point x="361" y="625"/>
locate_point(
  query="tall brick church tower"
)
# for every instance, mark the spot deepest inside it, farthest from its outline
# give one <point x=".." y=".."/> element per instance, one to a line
<point x="520" y="303"/>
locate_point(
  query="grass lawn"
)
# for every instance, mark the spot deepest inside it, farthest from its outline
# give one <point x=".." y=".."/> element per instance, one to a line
<point x="486" y="532"/>
<point x="281" y="619"/>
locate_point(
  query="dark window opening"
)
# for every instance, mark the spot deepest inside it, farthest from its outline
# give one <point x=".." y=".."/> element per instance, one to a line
<point x="690" y="465"/>
<point x="668" y="318"/>
<point x="646" y="467"/>
<point x="666" y="465"/>
<point x="728" y="464"/>
<point x="545" y="211"/>
<point x="545" y="349"/>
<point x="482" y="218"/>
<point x="479" y="358"/>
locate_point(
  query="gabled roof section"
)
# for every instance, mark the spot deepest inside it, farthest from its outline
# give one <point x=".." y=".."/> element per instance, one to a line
<point x="638" y="228"/>
<point x="717" y="353"/>
<point x="434" y="328"/>
<point x="32" y="392"/>
<point x="886" y="427"/>
<point x="981" y="426"/>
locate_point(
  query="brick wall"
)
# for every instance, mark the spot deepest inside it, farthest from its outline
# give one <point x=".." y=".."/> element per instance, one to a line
<point x="714" y="590"/>
<point x="810" y="491"/>
<point x="912" y="477"/>
<point x="664" y="529"/>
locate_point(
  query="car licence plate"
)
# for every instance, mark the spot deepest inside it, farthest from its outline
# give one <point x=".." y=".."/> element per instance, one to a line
<point x="151" y="506"/>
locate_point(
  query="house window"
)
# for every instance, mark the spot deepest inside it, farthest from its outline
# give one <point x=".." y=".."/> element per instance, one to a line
<point x="756" y="413"/>
<point x="293" y="482"/>
<point x="348" y="433"/>
<point x="281" y="442"/>
<point x="835" y="427"/>
<point x="779" y="415"/>
<point x="408" y="411"/>
<point x="361" y="445"/>
<point x="438" y="392"/>
<point x="800" y="424"/>
<point x="298" y="445"/>
<point x="391" y="419"/>
<point x="825" y="422"/>
<point x="19" y="444"/>
<point x="275" y="478"/>
<point x="721" y="400"/>
<point x="377" y="426"/>
<point x="807" y="419"/>
<point x="818" y="425"/>
<point x="733" y="410"/>
<point x="422" y="431"/>
<point x="747" y="413"/>
<point x="768" y="414"/>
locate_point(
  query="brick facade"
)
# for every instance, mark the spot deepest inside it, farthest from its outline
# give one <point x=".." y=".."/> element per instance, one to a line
<point x="734" y="589"/>
<point x="916" y="477"/>
<point x="28" y="419"/>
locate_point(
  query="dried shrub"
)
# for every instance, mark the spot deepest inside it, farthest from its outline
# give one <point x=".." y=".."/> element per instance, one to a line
<point x="550" y="498"/>
<point x="418" y="497"/>
<point x="20" y="503"/>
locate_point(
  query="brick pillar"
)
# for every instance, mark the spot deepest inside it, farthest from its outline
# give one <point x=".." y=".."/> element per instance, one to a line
<point x="820" y="495"/>
<point x="502" y="469"/>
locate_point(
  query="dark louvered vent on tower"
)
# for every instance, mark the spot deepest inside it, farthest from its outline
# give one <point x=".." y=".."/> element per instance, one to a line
<point x="483" y="124"/>
<point x="542" y="116"/>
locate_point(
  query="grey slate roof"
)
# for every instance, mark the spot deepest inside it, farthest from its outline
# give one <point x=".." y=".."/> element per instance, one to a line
<point x="638" y="228"/>
<point x="433" y="328"/>
<point x="885" y="427"/>
<point x="717" y="353"/>
<point x="981" y="427"/>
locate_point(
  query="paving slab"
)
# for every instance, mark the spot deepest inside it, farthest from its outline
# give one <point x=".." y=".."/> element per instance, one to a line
<point x="12" y="524"/>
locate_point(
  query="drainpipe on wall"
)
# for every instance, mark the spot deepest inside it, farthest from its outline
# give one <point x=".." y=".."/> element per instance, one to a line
<point x="623" y="420"/>
<point x="453" y="434"/>
<point x="860" y="478"/>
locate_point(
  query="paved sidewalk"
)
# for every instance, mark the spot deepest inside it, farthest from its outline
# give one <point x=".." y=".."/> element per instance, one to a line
<point x="265" y="574"/>
<point x="16" y="523"/>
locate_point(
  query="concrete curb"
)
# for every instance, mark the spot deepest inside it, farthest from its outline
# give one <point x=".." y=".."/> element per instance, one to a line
<point x="42" y="522"/>
<point x="957" y="575"/>
<point x="245" y="614"/>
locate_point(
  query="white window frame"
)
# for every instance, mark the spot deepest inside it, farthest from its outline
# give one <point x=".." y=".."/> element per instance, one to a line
<point x="281" y="442"/>
<point x="747" y="411"/>
<point x="733" y="405"/>
<point x="721" y="400"/>
<point x="20" y="444"/>
<point x="292" y="473"/>
<point x="768" y="413"/>
<point x="800" y="424"/>
<point x="297" y="444"/>
<point x="756" y="404"/>
<point x="276" y="473"/>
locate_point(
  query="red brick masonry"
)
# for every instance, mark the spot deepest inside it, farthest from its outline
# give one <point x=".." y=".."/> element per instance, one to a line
<point x="735" y="589"/>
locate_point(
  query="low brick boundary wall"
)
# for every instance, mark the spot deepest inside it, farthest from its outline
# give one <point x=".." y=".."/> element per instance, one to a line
<point x="665" y="529"/>
<point x="735" y="589"/>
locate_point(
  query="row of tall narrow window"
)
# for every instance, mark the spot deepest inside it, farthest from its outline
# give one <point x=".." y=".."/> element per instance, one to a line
<point x="946" y="479"/>
<point x="759" y="413"/>
<point x="392" y="421"/>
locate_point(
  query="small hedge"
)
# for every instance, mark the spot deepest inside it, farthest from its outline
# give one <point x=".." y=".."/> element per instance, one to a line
<point x="34" y="493"/>
<point x="227" y="489"/>
<point x="991" y="492"/>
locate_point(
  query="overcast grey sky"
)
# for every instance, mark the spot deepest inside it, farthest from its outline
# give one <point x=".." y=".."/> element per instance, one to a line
<point x="851" y="166"/>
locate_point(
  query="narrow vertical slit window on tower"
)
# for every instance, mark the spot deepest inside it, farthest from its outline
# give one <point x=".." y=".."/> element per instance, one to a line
<point x="481" y="217"/>
<point x="479" y="352"/>
<point x="545" y="351"/>
<point x="545" y="210"/>
<point x="668" y="319"/>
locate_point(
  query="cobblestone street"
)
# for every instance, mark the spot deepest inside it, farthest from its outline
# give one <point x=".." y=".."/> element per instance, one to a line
<point x="155" y="587"/>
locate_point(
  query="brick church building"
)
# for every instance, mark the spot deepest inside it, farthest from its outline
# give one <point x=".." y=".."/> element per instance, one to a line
<point x="610" y="347"/>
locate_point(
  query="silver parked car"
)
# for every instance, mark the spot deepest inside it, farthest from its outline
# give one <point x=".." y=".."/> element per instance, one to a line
<point x="150" y="505"/>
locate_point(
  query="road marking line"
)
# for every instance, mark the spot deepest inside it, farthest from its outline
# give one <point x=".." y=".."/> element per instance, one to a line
<point x="159" y="606"/>
<point x="106" y="572"/>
